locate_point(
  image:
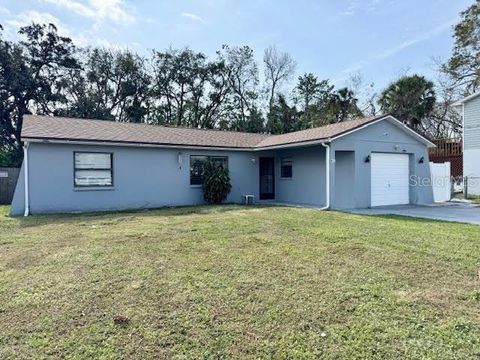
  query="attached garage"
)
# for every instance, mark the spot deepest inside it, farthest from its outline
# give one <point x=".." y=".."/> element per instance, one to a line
<point x="384" y="163"/>
<point x="389" y="179"/>
<point x="354" y="164"/>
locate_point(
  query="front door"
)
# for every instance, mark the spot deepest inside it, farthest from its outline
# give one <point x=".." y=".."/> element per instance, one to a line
<point x="267" y="178"/>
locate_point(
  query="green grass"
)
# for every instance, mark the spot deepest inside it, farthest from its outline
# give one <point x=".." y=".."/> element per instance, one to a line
<point x="235" y="282"/>
<point x="475" y="199"/>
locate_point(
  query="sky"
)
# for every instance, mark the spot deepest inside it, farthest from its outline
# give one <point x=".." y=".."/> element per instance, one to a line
<point x="334" y="39"/>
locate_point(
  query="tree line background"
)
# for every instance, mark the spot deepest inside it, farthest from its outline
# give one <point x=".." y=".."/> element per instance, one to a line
<point x="45" y="73"/>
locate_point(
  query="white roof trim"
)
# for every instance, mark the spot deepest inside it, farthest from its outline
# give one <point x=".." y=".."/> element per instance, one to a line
<point x="464" y="100"/>
<point x="395" y="122"/>
<point x="124" y="144"/>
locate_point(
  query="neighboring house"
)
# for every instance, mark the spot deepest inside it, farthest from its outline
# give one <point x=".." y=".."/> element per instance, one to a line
<point x="470" y="109"/>
<point x="75" y="165"/>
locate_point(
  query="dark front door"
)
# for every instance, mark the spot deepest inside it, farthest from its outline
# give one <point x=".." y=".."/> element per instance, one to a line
<point x="267" y="178"/>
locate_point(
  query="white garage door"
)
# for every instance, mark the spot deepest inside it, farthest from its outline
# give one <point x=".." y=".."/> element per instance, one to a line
<point x="389" y="179"/>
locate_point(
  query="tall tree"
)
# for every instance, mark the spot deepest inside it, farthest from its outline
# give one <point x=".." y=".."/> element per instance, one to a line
<point x="342" y="105"/>
<point x="464" y="64"/>
<point x="365" y="92"/>
<point x="444" y="122"/>
<point x="411" y="99"/>
<point x="33" y="75"/>
<point x="188" y="90"/>
<point x="311" y="95"/>
<point x="112" y="85"/>
<point x="243" y="80"/>
<point x="308" y="89"/>
<point x="283" y="118"/>
<point x="279" y="68"/>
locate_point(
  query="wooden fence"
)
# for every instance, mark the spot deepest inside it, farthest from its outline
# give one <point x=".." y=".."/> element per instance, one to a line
<point x="449" y="150"/>
<point x="447" y="147"/>
<point x="8" y="181"/>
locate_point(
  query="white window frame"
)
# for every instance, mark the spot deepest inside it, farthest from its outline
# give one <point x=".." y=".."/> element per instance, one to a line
<point x="75" y="169"/>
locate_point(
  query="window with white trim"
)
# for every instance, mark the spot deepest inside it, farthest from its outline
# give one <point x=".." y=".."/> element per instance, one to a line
<point x="93" y="169"/>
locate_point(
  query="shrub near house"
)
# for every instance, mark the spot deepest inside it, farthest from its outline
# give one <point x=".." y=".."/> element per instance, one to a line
<point x="216" y="183"/>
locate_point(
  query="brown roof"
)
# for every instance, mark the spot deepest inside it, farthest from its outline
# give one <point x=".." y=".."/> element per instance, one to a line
<point x="86" y="130"/>
<point x="318" y="133"/>
<point x="58" y="128"/>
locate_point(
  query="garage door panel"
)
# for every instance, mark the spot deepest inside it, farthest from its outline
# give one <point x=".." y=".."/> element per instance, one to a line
<point x="389" y="179"/>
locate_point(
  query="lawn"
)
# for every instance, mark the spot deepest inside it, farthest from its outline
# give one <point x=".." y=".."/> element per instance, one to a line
<point x="236" y="282"/>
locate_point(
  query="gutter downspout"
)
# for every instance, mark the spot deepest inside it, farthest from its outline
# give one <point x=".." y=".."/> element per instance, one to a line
<point x="327" y="176"/>
<point x="27" y="187"/>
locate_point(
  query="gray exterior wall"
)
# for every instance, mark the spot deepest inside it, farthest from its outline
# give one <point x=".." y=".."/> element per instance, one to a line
<point x="344" y="164"/>
<point x="307" y="185"/>
<point x="380" y="137"/>
<point x="350" y="175"/>
<point x="143" y="178"/>
<point x="152" y="177"/>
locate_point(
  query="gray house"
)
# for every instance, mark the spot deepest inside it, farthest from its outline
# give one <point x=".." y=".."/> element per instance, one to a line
<point x="75" y="165"/>
<point x="470" y="109"/>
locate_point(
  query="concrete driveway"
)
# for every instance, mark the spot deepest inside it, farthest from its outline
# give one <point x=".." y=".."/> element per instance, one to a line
<point x="455" y="212"/>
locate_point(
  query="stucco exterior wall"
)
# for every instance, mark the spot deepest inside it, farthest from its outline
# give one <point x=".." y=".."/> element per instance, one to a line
<point x="381" y="137"/>
<point x="153" y="177"/>
<point x="344" y="167"/>
<point x="307" y="185"/>
<point x="143" y="178"/>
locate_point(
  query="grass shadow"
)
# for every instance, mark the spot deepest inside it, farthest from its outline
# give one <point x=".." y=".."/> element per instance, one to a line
<point x="416" y="219"/>
<point x="41" y="219"/>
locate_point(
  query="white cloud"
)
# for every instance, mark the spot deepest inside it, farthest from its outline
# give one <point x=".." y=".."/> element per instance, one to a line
<point x="99" y="10"/>
<point x="351" y="8"/>
<point x="4" y="11"/>
<point x="107" y="44"/>
<point x="373" y="5"/>
<point x="33" y="16"/>
<point x="387" y="53"/>
<point x="28" y="17"/>
<point x="80" y="39"/>
<point x="75" y="6"/>
<point x="193" y="17"/>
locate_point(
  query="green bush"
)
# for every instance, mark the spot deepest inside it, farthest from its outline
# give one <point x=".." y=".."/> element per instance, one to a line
<point x="10" y="157"/>
<point x="216" y="183"/>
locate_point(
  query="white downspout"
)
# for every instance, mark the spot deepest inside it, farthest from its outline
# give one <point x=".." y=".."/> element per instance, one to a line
<point x="327" y="176"/>
<point x="27" y="187"/>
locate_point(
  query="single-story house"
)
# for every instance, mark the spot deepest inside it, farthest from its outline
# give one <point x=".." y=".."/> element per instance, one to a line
<point x="75" y="165"/>
<point x="469" y="109"/>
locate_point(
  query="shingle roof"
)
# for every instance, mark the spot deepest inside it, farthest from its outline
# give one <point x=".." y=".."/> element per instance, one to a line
<point x="318" y="133"/>
<point x="86" y="130"/>
<point x="58" y="128"/>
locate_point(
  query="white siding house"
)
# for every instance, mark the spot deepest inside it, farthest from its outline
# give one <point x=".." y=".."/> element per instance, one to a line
<point x="470" y="110"/>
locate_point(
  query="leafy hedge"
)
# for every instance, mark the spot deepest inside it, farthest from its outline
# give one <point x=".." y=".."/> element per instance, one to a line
<point x="216" y="183"/>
